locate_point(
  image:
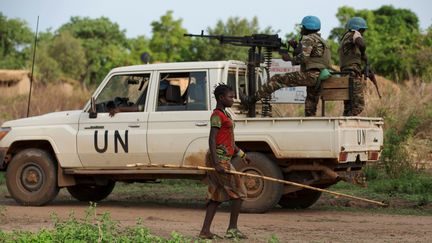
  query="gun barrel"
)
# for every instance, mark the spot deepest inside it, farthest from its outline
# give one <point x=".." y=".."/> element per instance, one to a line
<point x="255" y="40"/>
<point x="203" y="36"/>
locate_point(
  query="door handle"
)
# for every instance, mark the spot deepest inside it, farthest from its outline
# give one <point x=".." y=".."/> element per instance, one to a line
<point x="134" y="125"/>
<point x="94" y="127"/>
<point x="201" y="124"/>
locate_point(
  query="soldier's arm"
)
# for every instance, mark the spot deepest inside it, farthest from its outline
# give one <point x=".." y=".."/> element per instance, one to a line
<point x="285" y="56"/>
<point x="304" y="49"/>
<point x="359" y="42"/>
<point x="133" y="108"/>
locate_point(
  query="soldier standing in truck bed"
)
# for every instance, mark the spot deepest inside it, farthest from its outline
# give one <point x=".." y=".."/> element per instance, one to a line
<point x="352" y="52"/>
<point x="313" y="55"/>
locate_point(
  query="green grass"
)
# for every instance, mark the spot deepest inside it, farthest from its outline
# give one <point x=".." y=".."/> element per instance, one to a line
<point x="413" y="187"/>
<point x="95" y="227"/>
<point x="2" y="183"/>
<point x="92" y="228"/>
<point x="188" y="193"/>
<point x="406" y="196"/>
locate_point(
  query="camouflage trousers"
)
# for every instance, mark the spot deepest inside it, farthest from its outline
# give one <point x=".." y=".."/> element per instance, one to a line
<point x="356" y="106"/>
<point x="308" y="79"/>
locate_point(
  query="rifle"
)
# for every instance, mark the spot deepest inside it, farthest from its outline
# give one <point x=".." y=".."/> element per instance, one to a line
<point x="372" y="78"/>
<point x="256" y="43"/>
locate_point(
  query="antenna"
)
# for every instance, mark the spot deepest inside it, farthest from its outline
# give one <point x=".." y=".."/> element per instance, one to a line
<point x="33" y="62"/>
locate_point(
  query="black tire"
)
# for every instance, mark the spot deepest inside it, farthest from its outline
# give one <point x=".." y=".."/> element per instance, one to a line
<point x="300" y="199"/>
<point x="31" y="177"/>
<point x="91" y="193"/>
<point x="263" y="195"/>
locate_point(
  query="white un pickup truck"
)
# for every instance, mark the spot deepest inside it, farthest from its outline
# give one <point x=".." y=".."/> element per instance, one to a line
<point x="87" y="150"/>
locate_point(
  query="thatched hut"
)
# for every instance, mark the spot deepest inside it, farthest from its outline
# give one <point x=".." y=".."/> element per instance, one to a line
<point x="14" y="82"/>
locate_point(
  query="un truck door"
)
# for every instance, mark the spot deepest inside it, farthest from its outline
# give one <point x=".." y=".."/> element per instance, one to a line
<point x="116" y="141"/>
<point x="178" y="125"/>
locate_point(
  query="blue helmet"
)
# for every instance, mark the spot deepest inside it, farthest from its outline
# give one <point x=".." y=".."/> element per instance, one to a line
<point x="311" y="23"/>
<point x="356" y="23"/>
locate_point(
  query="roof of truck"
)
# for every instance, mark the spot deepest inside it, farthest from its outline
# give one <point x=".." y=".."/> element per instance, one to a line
<point x="178" y="65"/>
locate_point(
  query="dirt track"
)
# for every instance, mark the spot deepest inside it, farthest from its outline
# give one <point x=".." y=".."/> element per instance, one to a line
<point x="310" y="225"/>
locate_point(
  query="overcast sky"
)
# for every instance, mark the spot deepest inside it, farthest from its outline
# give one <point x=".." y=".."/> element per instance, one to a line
<point x="135" y="16"/>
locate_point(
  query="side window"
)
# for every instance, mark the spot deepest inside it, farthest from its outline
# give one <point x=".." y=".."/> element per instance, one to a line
<point x="232" y="80"/>
<point x="124" y="91"/>
<point x="242" y="81"/>
<point x="182" y="91"/>
<point x="233" y="75"/>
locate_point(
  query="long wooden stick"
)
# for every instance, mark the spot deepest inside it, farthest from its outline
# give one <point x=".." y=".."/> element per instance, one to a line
<point x="269" y="179"/>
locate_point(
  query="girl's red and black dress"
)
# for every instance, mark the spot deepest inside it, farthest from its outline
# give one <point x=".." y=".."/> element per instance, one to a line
<point x="223" y="187"/>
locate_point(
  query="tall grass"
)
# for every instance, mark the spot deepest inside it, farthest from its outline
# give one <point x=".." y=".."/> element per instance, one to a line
<point x="407" y="125"/>
<point x="44" y="99"/>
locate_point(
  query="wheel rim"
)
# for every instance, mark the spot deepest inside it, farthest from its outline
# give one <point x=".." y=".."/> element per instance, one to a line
<point x="254" y="185"/>
<point x="32" y="177"/>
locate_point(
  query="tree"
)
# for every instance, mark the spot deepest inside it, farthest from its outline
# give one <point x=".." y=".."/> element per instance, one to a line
<point x="15" y="42"/>
<point x="68" y="52"/>
<point x="104" y="43"/>
<point x="47" y="69"/>
<point x="137" y="47"/>
<point x="168" y="43"/>
<point x="419" y="57"/>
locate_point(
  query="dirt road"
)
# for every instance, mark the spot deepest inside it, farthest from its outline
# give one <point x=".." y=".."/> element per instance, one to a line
<point x="312" y="225"/>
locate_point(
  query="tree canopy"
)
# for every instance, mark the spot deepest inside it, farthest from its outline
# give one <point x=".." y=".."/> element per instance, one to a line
<point x="393" y="40"/>
<point x="85" y="49"/>
<point x="105" y="45"/>
<point x="15" y="42"/>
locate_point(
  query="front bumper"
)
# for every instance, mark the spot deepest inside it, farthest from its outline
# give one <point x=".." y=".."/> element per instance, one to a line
<point x="3" y="152"/>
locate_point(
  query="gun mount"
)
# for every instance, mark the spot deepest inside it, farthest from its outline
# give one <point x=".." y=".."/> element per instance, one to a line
<point x="261" y="48"/>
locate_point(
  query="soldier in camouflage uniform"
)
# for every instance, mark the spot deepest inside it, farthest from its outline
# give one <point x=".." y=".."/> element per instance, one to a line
<point x="352" y="51"/>
<point x="313" y="55"/>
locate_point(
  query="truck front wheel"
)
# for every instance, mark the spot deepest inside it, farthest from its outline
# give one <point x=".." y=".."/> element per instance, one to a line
<point x="31" y="177"/>
<point x="262" y="195"/>
<point x="91" y="193"/>
<point x="300" y="199"/>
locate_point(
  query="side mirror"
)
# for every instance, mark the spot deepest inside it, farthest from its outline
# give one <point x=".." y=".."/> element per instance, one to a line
<point x="92" y="112"/>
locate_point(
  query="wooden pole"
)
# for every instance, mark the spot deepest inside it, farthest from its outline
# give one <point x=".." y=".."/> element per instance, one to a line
<point x="270" y="179"/>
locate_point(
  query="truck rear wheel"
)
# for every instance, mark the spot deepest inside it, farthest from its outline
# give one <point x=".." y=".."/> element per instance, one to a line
<point x="91" y="193"/>
<point x="31" y="177"/>
<point x="262" y="195"/>
<point x="300" y="199"/>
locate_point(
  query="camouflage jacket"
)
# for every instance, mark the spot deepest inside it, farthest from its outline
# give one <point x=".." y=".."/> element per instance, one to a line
<point x="312" y="53"/>
<point x="349" y="53"/>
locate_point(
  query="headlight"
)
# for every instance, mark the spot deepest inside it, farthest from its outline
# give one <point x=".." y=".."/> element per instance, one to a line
<point x="4" y="131"/>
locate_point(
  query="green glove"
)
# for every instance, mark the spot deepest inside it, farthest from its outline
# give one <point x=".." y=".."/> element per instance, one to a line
<point x="324" y="74"/>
